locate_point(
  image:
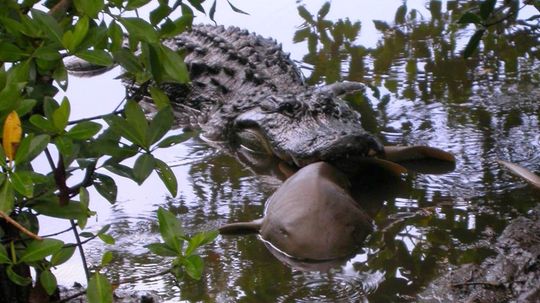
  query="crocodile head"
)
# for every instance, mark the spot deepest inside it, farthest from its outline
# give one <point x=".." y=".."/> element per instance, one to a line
<point x="305" y="127"/>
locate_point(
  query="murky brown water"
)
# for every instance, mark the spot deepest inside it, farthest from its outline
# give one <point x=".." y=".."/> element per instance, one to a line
<point x="482" y="109"/>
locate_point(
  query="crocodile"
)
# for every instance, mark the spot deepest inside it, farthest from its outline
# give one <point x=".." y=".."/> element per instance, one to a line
<point x="245" y="91"/>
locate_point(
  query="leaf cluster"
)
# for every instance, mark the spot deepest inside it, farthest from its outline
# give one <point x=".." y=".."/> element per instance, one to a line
<point x="180" y="246"/>
<point x="86" y="152"/>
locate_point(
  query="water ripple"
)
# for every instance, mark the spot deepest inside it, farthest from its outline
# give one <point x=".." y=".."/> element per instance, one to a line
<point x="332" y="287"/>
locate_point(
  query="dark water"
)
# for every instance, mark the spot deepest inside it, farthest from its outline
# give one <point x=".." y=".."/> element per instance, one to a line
<point x="480" y="109"/>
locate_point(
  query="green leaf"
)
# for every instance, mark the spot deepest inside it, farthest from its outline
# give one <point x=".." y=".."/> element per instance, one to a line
<point x="10" y="52"/>
<point x="174" y="66"/>
<point x="4" y="257"/>
<point x="108" y="239"/>
<point x="175" y="139"/>
<point x="401" y="12"/>
<point x="42" y="123"/>
<point x="74" y="39"/>
<point x="170" y="229"/>
<point x="168" y="177"/>
<point x="234" y="8"/>
<point x="106" y="258"/>
<point x="197" y="5"/>
<point x="159" y="13"/>
<point x="99" y="290"/>
<point x="62" y="255"/>
<point x="61" y="77"/>
<point x="96" y="56"/>
<point x="161" y="249"/>
<point x="65" y="147"/>
<point x="26" y="106"/>
<point x="22" y="183"/>
<point x="16" y="278"/>
<point x="160" y="98"/>
<point x="137" y="121"/>
<point x="486" y="8"/>
<point x="303" y="12"/>
<point x="135" y="4"/>
<point x="106" y="187"/>
<point x="9" y="97"/>
<point x="324" y="10"/>
<point x="47" y="53"/>
<point x="470" y="17"/>
<point x="212" y="11"/>
<point x="48" y="281"/>
<point x="84" y="198"/>
<point x="473" y="43"/>
<point x="51" y="207"/>
<point x="90" y="8"/>
<point x="124" y="129"/>
<point x="51" y="26"/>
<point x="140" y="29"/>
<point x="128" y="61"/>
<point x="60" y="116"/>
<point x="199" y="240"/>
<point x="39" y="249"/>
<point x="117" y="36"/>
<point x="301" y="35"/>
<point x="104" y="229"/>
<point x="194" y="266"/>
<point x="161" y="123"/>
<point x="30" y="147"/>
<point x="6" y="197"/>
<point x="120" y="169"/>
<point x="84" y="130"/>
<point x="144" y="165"/>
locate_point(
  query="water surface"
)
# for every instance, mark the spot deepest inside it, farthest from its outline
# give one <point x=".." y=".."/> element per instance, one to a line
<point x="481" y="109"/>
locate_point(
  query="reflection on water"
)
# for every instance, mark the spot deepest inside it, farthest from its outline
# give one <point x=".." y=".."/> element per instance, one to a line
<point x="482" y="109"/>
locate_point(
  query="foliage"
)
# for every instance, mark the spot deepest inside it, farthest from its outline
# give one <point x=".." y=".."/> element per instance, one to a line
<point x="173" y="246"/>
<point x="35" y="36"/>
<point x="413" y="44"/>
<point x="487" y="14"/>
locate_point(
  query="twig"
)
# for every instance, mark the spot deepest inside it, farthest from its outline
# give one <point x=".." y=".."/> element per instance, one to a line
<point x="116" y="112"/>
<point x="19" y="226"/>
<point x="57" y="233"/>
<point x="59" y="173"/>
<point x="81" y="251"/>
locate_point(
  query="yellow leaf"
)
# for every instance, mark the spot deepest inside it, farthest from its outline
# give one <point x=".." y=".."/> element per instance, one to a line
<point x="12" y="135"/>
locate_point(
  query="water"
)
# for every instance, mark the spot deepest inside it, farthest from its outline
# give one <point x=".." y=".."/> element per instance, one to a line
<point x="481" y="110"/>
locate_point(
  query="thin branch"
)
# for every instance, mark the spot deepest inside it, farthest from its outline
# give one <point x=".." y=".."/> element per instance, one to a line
<point x="57" y="233"/>
<point x="86" y="182"/>
<point x="115" y="112"/>
<point x="59" y="173"/>
<point x="82" y="242"/>
<point x="19" y="226"/>
<point x="81" y="251"/>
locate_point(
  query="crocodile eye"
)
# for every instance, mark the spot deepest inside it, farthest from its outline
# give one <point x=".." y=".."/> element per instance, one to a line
<point x="289" y="108"/>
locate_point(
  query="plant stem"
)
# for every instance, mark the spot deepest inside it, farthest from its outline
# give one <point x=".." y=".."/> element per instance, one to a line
<point x="81" y="251"/>
<point x="19" y="226"/>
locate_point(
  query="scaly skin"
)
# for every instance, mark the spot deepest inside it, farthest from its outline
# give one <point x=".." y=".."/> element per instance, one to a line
<point x="246" y="92"/>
